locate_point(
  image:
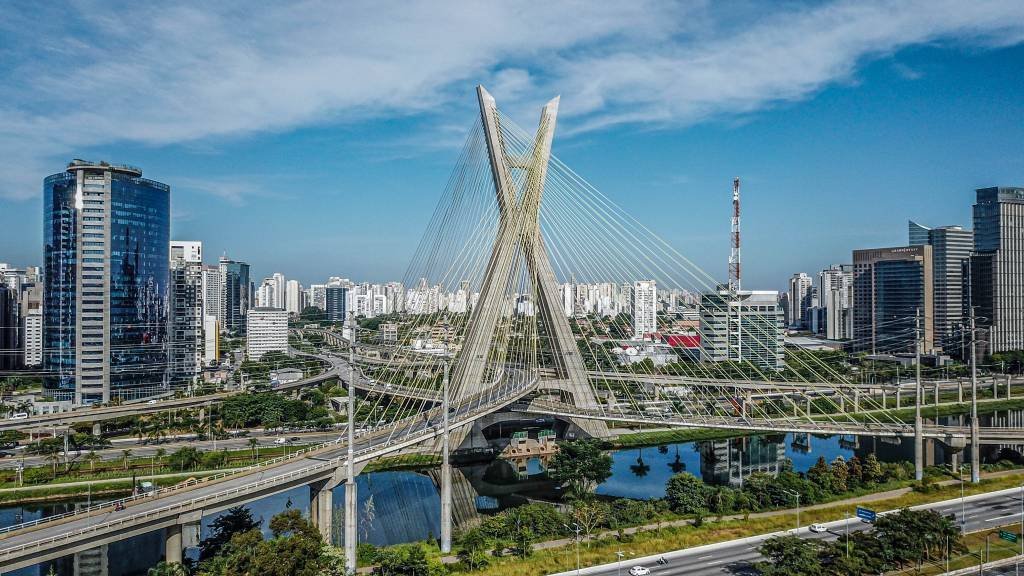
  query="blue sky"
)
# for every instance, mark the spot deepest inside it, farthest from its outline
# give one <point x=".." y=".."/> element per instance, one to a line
<point x="315" y="139"/>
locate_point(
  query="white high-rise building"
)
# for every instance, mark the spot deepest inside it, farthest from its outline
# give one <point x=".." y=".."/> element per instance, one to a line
<point x="266" y="294"/>
<point x="799" y="298"/>
<point x="293" y="297"/>
<point x="213" y="293"/>
<point x="645" y="308"/>
<point x="835" y="296"/>
<point x="280" y="290"/>
<point x="266" y="331"/>
<point x="318" y="296"/>
<point x="185" y="330"/>
<point x="34" y="337"/>
<point x="211" y="336"/>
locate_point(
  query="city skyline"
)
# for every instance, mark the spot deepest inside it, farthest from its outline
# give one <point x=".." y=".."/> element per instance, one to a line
<point x="918" y="117"/>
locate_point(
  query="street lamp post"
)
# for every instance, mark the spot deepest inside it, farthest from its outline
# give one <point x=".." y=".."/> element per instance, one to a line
<point x="576" y="528"/>
<point x="797" y="495"/>
<point x="618" y="567"/>
<point x="847" y="535"/>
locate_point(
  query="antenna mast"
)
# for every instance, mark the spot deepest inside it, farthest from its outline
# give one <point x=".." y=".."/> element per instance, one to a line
<point x="734" y="256"/>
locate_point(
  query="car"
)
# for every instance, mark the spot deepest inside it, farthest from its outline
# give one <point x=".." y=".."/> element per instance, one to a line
<point x="639" y="571"/>
<point x="294" y="439"/>
<point x="819" y="528"/>
<point x="151" y="402"/>
<point x="19" y="416"/>
<point x="281" y="441"/>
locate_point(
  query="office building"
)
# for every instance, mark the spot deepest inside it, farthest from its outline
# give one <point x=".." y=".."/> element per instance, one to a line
<point x="10" y="350"/>
<point x="951" y="247"/>
<point x="890" y="286"/>
<point x="835" y="300"/>
<point x="185" y="334"/>
<point x="996" y="268"/>
<point x="645" y="308"/>
<point x="280" y="290"/>
<point x="335" y="302"/>
<point x="266" y="331"/>
<point x="800" y="296"/>
<point x="743" y="327"/>
<point x="236" y="295"/>
<point x="106" y="241"/>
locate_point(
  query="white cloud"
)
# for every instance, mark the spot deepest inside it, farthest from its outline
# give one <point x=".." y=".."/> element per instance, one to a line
<point x="92" y="75"/>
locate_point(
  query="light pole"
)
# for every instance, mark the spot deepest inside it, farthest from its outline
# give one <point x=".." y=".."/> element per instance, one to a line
<point x="797" y="494"/>
<point x="847" y="535"/>
<point x="576" y="528"/>
<point x="618" y="568"/>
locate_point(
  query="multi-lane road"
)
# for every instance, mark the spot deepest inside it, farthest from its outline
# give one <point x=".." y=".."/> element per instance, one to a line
<point x="736" y="557"/>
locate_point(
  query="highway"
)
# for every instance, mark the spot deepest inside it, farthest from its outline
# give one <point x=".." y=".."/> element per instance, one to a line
<point x="982" y="511"/>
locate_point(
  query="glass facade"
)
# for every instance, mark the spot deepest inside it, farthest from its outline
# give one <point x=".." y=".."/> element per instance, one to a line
<point x="106" y="244"/>
<point x="60" y="263"/>
<point x="139" y="264"/>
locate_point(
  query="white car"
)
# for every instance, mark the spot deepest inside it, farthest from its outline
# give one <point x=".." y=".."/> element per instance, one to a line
<point x="639" y="571"/>
<point x="819" y="528"/>
<point x="281" y="441"/>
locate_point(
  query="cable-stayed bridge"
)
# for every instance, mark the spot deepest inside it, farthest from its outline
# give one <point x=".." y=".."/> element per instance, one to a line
<point x="515" y="231"/>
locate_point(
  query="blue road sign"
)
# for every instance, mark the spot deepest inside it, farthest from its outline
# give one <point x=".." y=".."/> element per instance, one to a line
<point x="866" y="514"/>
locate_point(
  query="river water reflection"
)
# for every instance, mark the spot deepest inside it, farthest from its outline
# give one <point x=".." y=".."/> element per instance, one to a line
<point x="396" y="507"/>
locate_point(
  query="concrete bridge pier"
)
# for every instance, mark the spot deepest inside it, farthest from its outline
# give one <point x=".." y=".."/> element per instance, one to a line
<point x="885" y="398"/>
<point x="898" y="394"/>
<point x="351" y="510"/>
<point x="856" y="400"/>
<point x="321" y="507"/>
<point x="1008" y="386"/>
<point x="172" y="544"/>
<point x="446" y="470"/>
<point x="959" y="391"/>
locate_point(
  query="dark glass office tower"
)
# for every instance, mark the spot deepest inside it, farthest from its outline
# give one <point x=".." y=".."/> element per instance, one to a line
<point x="237" y="295"/>
<point x="106" y="241"/>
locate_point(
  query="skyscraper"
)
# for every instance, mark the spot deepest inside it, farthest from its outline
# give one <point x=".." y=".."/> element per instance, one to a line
<point x="267" y="332"/>
<point x="106" y="240"/>
<point x="835" y="296"/>
<point x="335" y="301"/>
<point x="185" y="335"/>
<point x="799" y="299"/>
<point x="890" y="286"/>
<point x="951" y="247"/>
<point x="996" y="268"/>
<point x="236" y="290"/>
<point x="645" y="308"/>
<point x="293" y="297"/>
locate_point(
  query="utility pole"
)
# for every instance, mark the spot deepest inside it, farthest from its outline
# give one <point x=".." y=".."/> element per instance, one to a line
<point x="918" y="423"/>
<point x="351" y="500"/>
<point x="975" y="432"/>
<point x="446" y="471"/>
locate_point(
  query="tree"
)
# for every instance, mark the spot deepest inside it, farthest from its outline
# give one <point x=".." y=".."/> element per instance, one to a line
<point x="686" y="494"/>
<point x="589" y="515"/>
<point x="166" y="569"/>
<point x="295" y="549"/>
<point x="872" y="469"/>
<point x="126" y="455"/>
<point x="185" y="457"/>
<point x="580" y="465"/>
<point x="821" y="475"/>
<point x="234" y="521"/>
<point x="473" y="549"/>
<point x="402" y="561"/>
<point x="790" y="556"/>
<point x="840" y="475"/>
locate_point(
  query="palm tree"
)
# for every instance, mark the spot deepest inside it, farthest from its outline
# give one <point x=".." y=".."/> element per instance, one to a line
<point x="92" y="457"/>
<point x="254" y="449"/>
<point x="160" y="453"/>
<point x="126" y="454"/>
<point x="640" y="469"/>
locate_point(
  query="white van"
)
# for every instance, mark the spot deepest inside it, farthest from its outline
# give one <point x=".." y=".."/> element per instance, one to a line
<point x="19" y="416"/>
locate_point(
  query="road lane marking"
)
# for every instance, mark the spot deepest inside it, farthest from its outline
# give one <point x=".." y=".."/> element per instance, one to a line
<point x="705" y="557"/>
<point x="1001" y="517"/>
